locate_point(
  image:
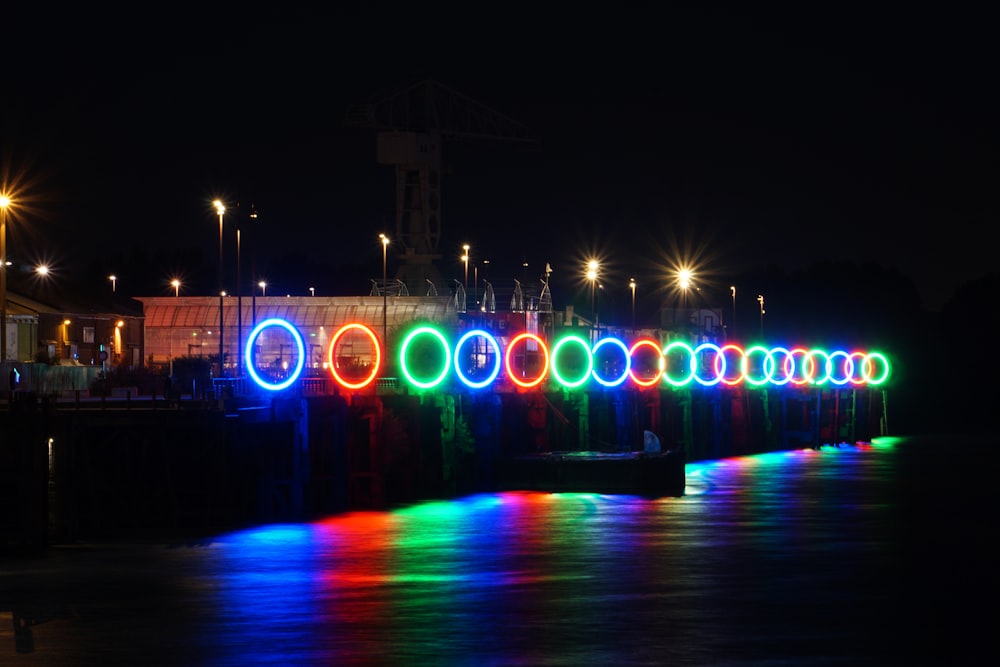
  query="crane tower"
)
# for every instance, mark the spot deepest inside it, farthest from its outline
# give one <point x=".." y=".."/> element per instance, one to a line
<point x="413" y="123"/>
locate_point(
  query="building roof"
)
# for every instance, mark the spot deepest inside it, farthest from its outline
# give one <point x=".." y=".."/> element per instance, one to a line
<point x="19" y="304"/>
<point x="304" y="311"/>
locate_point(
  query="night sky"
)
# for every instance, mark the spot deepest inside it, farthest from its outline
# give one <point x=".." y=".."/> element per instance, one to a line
<point x="734" y="139"/>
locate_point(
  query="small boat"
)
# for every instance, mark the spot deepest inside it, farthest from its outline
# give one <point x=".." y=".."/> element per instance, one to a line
<point x="650" y="472"/>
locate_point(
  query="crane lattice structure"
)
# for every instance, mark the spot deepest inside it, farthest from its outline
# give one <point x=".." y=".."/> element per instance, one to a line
<point x="412" y="124"/>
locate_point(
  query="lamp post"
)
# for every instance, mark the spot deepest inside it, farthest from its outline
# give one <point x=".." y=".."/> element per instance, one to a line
<point x="486" y="278"/>
<point x="760" y="300"/>
<point x="253" y="275"/>
<point x="114" y="282"/>
<point x="4" y="203"/>
<point x="592" y="270"/>
<point x="253" y="306"/>
<point x="732" y="325"/>
<point x="465" y="258"/>
<point x="176" y="284"/>
<point x="220" y="209"/>
<point x="385" y="322"/>
<point x="239" y="308"/>
<point x="631" y="284"/>
<point x="312" y="291"/>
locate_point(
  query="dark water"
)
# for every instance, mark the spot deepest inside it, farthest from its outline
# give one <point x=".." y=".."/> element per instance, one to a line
<point x="859" y="555"/>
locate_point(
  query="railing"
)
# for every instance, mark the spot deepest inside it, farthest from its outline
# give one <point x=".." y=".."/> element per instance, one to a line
<point x="386" y="384"/>
<point x="314" y="386"/>
<point x="309" y="386"/>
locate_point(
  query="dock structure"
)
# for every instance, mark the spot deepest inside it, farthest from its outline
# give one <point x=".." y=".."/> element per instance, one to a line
<point x="75" y="468"/>
<point x="325" y="405"/>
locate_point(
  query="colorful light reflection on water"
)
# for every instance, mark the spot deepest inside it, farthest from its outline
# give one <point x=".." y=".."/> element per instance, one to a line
<point x="507" y="576"/>
<point x="802" y="557"/>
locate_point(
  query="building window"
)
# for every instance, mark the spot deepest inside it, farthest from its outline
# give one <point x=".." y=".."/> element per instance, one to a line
<point x="88" y="334"/>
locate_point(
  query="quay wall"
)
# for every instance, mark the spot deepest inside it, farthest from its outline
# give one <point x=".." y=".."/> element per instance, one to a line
<point x="75" y="470"/>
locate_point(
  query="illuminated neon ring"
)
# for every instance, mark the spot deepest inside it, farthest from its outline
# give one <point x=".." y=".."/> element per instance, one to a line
<point x="646" y="382"/>
<point x="718" y="366"/>
<point x="492" y="342"/>
<point x="250" y="356"/>
<point x="526" y="384"/>
<point x="557" y="374"/>
<point x="872" y="360"/>
<point x="859" y="359"/>
<point x="847" y="366"/>
<point x="678" y="364"/>
<point x="692" y="363"/>
<point x="827" y="366"/>
<point x="331" y="356"/>
<point x="791" y="366"/>
<point x="787" y="366"/>
<point x="620" y="344"/>
<point x="410" y="337"/>
<point x="767" y="366"/>
<point x="741" y="365"/>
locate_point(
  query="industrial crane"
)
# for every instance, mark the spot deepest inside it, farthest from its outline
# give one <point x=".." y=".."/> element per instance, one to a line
<point x="413" y="123"/>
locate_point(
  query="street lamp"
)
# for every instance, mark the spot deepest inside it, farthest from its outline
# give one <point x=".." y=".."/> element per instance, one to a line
<point x="239" y="307"/>
<point x="4" y="203"/>
<point x="176" y="284"/>
<point x="263" y="288"/>
<point x="475" y="286"/>
<point x="465" y="258"/>
<point x="592" y="271"/>
<point x="475" y="289"/>
<point x="631" y="284"/>
<point x="220" y="209"/>
<point x="114" y="281"/>
<point x="385" y="322"/>
<point x="684" y="278"/>
<point x="732" y="325"/>
<point x="760" y="300"/>
<point x="253" y="274"/>
<point x="239" y="294"/>
<point x="312" y="291"/>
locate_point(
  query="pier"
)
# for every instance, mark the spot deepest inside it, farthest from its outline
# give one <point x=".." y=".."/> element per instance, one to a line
<point x="81" y="468"/>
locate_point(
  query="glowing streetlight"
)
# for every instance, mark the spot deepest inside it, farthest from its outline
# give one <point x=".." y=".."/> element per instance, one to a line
<point x="263" y="288"/>
<point x="631" y="284"/>
<point x="220" y="209"/>
<point x="312" y="291"/>
<point x="114" y="282"/>
<point x="42" y="270"/>
<point x="4" y="203"/>
<point x="685" y="277"/>
<point x="176" y="284"/>
<point x="760" y="300"/>
<point x="385" y="322"/>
